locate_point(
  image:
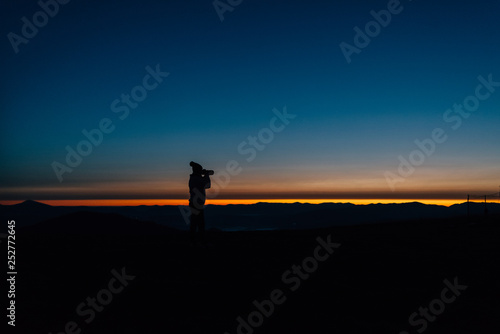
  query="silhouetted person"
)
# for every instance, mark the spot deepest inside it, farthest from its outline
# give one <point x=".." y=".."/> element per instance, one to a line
<point x="199" y="181"/>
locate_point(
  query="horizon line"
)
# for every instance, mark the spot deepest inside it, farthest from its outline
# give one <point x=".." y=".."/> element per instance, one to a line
<point x="184" y="202"/>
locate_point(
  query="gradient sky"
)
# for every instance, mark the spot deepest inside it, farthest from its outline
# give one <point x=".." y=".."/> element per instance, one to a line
<point x="226" y="77"/>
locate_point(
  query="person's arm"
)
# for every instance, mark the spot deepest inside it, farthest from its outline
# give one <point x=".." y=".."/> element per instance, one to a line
<point x="208" y="183"/>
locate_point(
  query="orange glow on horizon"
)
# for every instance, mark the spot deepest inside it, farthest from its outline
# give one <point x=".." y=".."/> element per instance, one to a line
<point x="151" y="202"/>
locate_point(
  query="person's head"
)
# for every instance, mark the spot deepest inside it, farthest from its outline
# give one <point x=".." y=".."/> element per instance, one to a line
<point x="197" y="169"/>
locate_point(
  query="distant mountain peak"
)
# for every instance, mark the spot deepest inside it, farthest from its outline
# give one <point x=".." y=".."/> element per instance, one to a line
<point x="32" y="204"/>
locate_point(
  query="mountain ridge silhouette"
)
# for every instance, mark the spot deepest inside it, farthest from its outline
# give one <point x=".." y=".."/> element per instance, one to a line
<point x="259" y="216"/>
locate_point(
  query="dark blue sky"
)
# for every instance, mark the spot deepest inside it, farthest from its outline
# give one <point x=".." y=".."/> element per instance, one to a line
<point x="353" y="119"/>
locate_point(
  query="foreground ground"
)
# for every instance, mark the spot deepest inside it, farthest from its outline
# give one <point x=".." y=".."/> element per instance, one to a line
<point x="373" y="282"/>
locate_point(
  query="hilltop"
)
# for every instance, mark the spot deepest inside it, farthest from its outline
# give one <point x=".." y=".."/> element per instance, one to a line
<point x="378" y="276"/>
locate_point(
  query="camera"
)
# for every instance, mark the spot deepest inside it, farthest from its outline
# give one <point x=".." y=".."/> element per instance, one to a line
<point x="200" y="170"/>
<point x="207" y="172"/>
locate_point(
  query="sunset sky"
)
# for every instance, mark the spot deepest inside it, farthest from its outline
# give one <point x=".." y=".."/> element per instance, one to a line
<point x="348" y="123"/>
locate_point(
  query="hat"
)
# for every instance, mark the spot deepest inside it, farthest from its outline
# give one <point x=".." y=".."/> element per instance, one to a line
<point x="196" y="167"/>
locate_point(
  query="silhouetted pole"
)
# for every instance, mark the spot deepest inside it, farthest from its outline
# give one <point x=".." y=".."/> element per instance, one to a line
<point x="485" y="209"/>
<point x="468" y="210"/>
